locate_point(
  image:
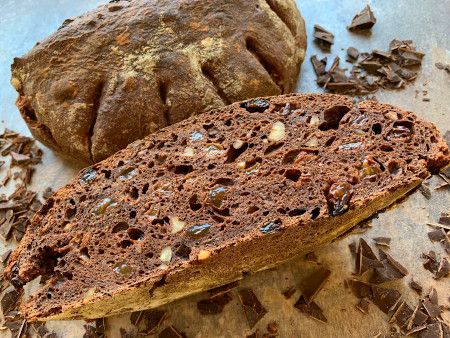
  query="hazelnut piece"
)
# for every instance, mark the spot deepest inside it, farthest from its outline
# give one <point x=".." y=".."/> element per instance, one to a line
<point x="278" y="132"/>
<point x="203" y="254"/>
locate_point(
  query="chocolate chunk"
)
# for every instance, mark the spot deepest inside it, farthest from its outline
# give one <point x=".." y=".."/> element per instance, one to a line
<point x="353" y="249"/>
<point x="89" y="332"/>
<point x="443" y="269"/>
<point x="311" y="309"/>
<point x="437" y="235"/>
<point x="363" y="20"/>
<point x="100" y="326"/>
<point x="152" y="320"/>
<point x="402" y="315"/>
<point x="419" y="318"/>
<point x="223" y="289"/>
<point x="432" y="309"/>
<point x="323" y="35"/>
<point x="391" y="269"/>
<point x="415" y="286"/>
<point x="289" y="292"/>
<point x="6" y="255"/>
<point x="253" y="309"/>
<point x="125" y="334"/>
<point x="314" y="283"/>
<point x="383" y="241"/>
<point x="444" y="219"/>
<point x="170" y="332"/>
<point x="431" y="331"/>
<point x="352" y="53"/>
<point x="319" y="66"/>
<point x="9" y="300"/>
<point x="256" y="105"/>
<point x="361" y="289"/>
<point x="384" y="298"/>
<point x="366" y="258"/>
<point x="363" y="305"/>
<point x="214" y="305"/>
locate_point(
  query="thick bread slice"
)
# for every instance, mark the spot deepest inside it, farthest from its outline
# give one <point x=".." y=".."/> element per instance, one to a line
<point x="203" y="202"/>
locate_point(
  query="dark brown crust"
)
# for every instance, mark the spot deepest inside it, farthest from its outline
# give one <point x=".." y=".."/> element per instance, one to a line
<point x="129" y="68"/>
<point x="335" y="165"/>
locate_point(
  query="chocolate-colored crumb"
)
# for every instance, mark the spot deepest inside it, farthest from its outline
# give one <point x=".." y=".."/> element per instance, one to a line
<point x="311" y="309"/>
<point x="363" y="20"/>
<point x="252" y="307"/>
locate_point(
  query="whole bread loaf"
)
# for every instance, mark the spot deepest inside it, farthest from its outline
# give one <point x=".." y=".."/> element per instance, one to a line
<point x="203" y="202"/>
<point x="129" y="68"/>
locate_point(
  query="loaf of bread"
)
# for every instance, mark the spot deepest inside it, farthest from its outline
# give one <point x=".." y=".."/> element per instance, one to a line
<point x="203" y="202"/>
<point x="129" y="68"/>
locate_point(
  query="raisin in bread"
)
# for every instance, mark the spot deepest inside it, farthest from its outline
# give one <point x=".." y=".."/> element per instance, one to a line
<point x="203" y="202"/>
<point x="129" y="68"/>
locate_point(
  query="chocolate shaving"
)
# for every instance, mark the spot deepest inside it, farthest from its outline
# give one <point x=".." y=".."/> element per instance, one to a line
<point x="314" y="283"/>
<point x="425" y="190"/>
<point x="431" y="331"/>
<point x="311" y="309"/>
<point x="252" y="307"/>
<point x="363" y="20"/>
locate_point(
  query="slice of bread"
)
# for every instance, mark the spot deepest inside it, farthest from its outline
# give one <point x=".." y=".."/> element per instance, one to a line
<point x="206" y="201"/>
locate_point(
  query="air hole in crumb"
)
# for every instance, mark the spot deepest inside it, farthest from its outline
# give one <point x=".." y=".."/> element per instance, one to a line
<point x="133" y="214"/>
<point x="120" y="163"/>
<point x="376" y="128"/>
<point x="126" y="243"/>
<point x="194" y="203"/>
<point x="296" y="212"/>
<point x="233" y="153"/>
<point x="149" y="254"/>
<point x="228" y="122"/>
<point x="265" y="213"/>
<point x="394" y="168"/>
<point x="433" y="139"/>
<point x="134" y="193"/>
<point x="290" y="156"/>
<point x="160" y="159"/>
<point x="281" y="211"/>
<point x="135" y="234"/>
<point x="222" y="212"/>
<point x="183" y="251"/>
<point x="273" y="147"/>
<point x="332" y="116"/>
<point x="386" y="148"/>
<point x="72" y="201"/>
<point x="121" y="226"/>
<point x="211" y="166"/>
<point x="315" y="213"/>
<point x="252" y="209"/>
<point x="183" y="169"/>
<point x="85" y="252"/>
<point x="70" y="213"/>
<point x="292" y="174"/>
<point x="145" y="188"/>
<point x="224" y="181"/>
<point x="330" y="141"/>
<point x="107" y="173"/>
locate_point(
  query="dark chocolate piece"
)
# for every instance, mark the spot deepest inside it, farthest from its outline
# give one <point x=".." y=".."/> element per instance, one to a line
<point x="425" y="190"/>
<point x="444" y="219"/>
<point x="314" y="283"/>
<point x="391" y="269"/>
<point x="323" y="35"/>
<point x="443" y="269"/>
<point x="437" y="235"/>
<point x="383" y="241"/>
<point x="9" y="300"/>
<point x="319" y="66"/>
<point x="363" y="20"/>
<point x="170" y="332"/>
<point x="402" y="315"/>
<point x="214" y="305"/>
<point x="415" y="286"/>
<point x="363" y="305"/>
<point x="311" y="309"/>
<point x="385" y="298"/>
<point x="361" y="289"/>
<point x="432" y="309"/>
<point x="431" y="331"/>
<point x="152" y="320"/>
<point x="223" y="289"/>
<point x="352" y="53"/>
<point x="253" y="309"/>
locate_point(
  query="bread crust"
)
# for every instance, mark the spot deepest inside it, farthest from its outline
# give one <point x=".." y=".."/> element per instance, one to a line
<point x="129" y="68"/>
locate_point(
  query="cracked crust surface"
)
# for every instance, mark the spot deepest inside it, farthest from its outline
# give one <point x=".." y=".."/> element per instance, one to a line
<point x="127" y="69"/>
<point x="211" y="198"/>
